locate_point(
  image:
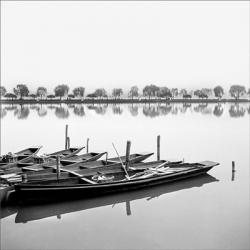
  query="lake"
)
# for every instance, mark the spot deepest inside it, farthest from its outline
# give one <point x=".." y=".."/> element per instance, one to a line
<point x="208" y="212"/>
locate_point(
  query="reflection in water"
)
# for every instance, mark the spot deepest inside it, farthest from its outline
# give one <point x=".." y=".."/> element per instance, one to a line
<point x="99" y="109"/>
<point x="133" y="109"/>
<point x="22" y="112"/>
<point x="203" y="108"/>
<point x="236" y="110"/>
<point x="79" y="110"/>
<point x="42" y="110"/>
<point x="3" y="112"/>
<point x="218" y="110"/>
<point x="151" y="110"/>
<point x="117" y="110"/>
<point x="37" y="212"/>
<point x="185" y="106"/>
<point x="62" y="112"/>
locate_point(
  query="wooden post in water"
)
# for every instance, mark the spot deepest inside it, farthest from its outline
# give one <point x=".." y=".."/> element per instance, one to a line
<point x="68" y="142"/>
<point x="106" y="158"/>
<point x="66" y="136"/>
<point x="158" y="147"/>
<point x="87" y="146"/>
<point x="58" y="167"/>
<point x="233" y="166"/>
<point x="128" y="153"/>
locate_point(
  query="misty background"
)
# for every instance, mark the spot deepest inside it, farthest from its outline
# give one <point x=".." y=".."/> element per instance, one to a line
<point x="121" y="44"/>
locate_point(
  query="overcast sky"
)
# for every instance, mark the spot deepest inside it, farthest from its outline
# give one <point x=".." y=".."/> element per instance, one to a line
<point x="120" y="44"/>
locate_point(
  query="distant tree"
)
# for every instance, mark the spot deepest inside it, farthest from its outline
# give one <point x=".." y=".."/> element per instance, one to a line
<point x="21" y="90"/>
<point x="150" y="90"/>
<point x="50" y="96"/>
<point x="92" y="95"/>
<point x="218" y="91"/>
<point x="117" y="92"/>
<point x="187" y="96"/>
<point x="33" y="96"/>
<point x="79" y="91"/>
<point x="41" y="92"/>
<point x="237" y="91"/>
<point x="164" y="92"/>
<point x="197" y="93"/>
<point x="71" y="96"/>
<point x="183" y="92"/>
<point x="2" y="91"/>
<point x="61" y="90"/>
<point x="174" y="92"/>
<point x="100" y="92"/>
<point x="10" y="96"/>
<point x="134" y="92"/>
<point x="207" y="92"/>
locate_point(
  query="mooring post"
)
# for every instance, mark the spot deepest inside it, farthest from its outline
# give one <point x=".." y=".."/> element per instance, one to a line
<point x="87" y="146"/>
<point x="66" y="136"/>
<point x="233" y="166"/>
<point x="158" y="147"/>
<point x="106" y="158"/>
<point x="68" y="142"/>
<point x="128" y="153"/>
<point x="58" y="167"/>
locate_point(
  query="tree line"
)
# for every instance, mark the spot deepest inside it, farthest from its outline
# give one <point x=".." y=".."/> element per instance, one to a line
<point x="149" y="91"/>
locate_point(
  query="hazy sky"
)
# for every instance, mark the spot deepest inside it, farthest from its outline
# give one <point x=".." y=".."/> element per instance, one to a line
<point x="120" y="44"/>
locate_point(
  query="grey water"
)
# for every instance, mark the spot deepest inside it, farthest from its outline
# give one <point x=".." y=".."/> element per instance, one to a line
<point x="207" y="212"/>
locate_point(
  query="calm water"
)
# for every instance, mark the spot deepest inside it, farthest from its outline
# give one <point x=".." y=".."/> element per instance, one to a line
<point x="209" y="212"/>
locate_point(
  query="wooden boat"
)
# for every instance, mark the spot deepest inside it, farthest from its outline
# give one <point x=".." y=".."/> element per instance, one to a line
<point x="18" y="157"/>
<point x="40" y="211"/>
<point x="107" y="181"/>
<point x="48" y="159"/>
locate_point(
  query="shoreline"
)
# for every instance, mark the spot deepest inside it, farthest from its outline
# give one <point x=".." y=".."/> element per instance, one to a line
<point x="122" y="101"/>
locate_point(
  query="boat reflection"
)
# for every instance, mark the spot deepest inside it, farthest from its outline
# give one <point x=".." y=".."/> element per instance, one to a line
<point x="37" y="212"/>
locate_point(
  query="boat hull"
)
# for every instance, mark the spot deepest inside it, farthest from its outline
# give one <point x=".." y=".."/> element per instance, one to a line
<point x="37" y="193"/>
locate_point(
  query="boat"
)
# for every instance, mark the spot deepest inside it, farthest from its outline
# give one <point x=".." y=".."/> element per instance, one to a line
<point x="27" y="213"/>
<point x="22" y="156"/>
<point x="100" y="182"/>
<point x="47" y="159"/>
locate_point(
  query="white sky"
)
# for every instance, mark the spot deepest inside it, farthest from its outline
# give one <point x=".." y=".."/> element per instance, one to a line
<point x="120" y="44"/>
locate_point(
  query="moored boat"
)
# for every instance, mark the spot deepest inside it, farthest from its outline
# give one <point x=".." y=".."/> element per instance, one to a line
<point x="108" y="181"/>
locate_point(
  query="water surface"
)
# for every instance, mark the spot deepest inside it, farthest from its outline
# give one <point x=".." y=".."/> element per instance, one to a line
<point x="209" y="212"/>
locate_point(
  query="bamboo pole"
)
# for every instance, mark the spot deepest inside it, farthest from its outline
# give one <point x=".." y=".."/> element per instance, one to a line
<point x="124" y="168"/>
<point x="158" y="147"/>
<point x="66" y="136"/>
<point x="233" y="166"/>
<point x="58" y="167"/>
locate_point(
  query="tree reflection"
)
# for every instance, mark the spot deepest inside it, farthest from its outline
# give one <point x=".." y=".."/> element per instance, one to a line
<point x="248" y="110"/>
<point x="79" y="110"/>
<point x="99" y="109"/>
<point x="11" y="107"/>
<point x="174" y="110"/>
<point x="133" y="109"/>
<point x="3" y="112"/>
<point x="185" y="107"/>
<point x="151" y="111"/>
<point x="203" y="108"/>
<point x="236" y="111"/>
<point x="42" y="111"/>
<point x="62" y="112"/>
<point x="218" y="110"/>
<point x="117" y="110"/>
<point x="164" y="110"/>
<point x="22" y="112"/>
